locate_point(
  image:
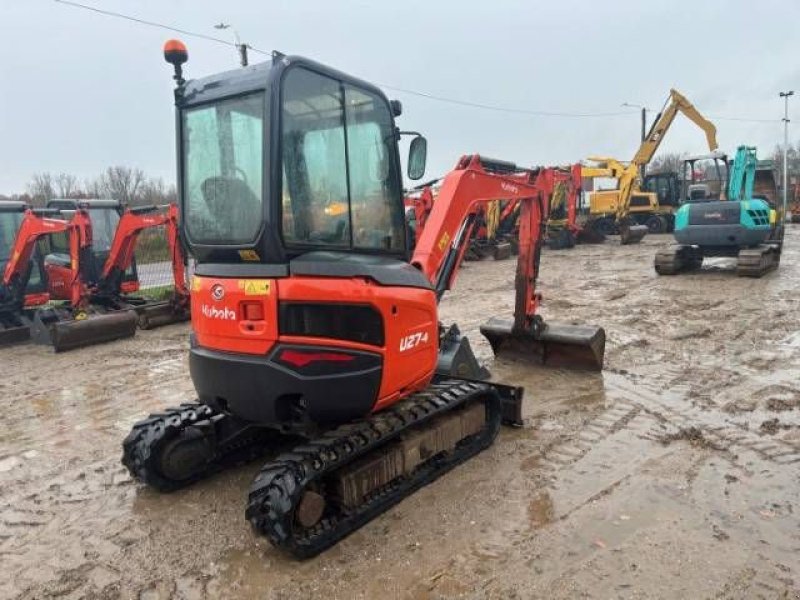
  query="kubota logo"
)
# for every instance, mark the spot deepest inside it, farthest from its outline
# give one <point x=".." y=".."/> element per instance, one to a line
<point x="223" y="314"/>
<point x="509" y="187"/>
<point x="217" y="292"/>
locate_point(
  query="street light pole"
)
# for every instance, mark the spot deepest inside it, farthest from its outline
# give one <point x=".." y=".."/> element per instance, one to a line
<point x="785" y="96"/>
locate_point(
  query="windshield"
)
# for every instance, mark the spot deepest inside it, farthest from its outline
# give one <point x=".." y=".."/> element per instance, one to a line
<point x="339" y="184"/>
<point x="9" y="224"/>
<point x="104" y="227"/>
<point x="222" y="161"/>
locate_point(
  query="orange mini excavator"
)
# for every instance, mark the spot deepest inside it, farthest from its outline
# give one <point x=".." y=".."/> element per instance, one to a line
<point x="323" y="326"/>
<point x="20" y="229"/>
<point x="63" y="327"/>
<point x="108" y="283"/>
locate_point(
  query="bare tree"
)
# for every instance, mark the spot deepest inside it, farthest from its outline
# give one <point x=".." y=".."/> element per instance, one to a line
<point x="153" y="191"/>
<point x="669" y="162"/>
<point x="41" y="188"/>
<point x="121" y="183"/>
<point x="67" y="185"/>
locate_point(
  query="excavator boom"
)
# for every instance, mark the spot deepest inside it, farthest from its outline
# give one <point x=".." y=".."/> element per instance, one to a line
<point x="473" y="182"/>
<point x="628" y="175"/>
<point x="120" y="257"/>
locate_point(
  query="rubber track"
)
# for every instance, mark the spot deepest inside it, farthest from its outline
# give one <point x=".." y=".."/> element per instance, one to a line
<point x="674" y="260"/>
<point x="757" y="262"/>
<point x="278" y="488"/>
<point x="141" y="447"/>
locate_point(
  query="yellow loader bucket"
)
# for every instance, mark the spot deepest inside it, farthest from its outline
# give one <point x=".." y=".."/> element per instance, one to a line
<point x="556" y="345"/>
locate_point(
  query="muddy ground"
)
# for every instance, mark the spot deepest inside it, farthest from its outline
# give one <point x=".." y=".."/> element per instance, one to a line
<point x="673" y="474"/>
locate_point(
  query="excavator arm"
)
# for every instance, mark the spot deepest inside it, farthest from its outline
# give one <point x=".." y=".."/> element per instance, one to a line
<point x="676" y="103"/>
<point x="743" y="174"/>
<point x="123" y="247"/>
<point x="474" y="182"/>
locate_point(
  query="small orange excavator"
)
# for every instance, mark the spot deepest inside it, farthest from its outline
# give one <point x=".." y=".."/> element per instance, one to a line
<point x="108" y="284"/>
<point x="21" y="228"/>
<point x="563" y="230"/>
<point x="324" y="326"/>
<point x="63" y="327"/>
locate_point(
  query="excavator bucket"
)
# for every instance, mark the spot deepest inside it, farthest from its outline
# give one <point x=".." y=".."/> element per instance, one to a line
<point x="632" y="234"/>
<point x="158" y="314"/>
<point x="558" y="345"/>
<point x="456" y="358"/>
<point x="58" y="328"/>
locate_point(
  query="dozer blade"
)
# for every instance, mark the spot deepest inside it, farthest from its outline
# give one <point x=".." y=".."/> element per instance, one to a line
<point x="158" y="314"/>
<point x="66" y="334"/>
<point x="14" y="335"/>
<point x="632" y="234"/>
<point x="559" y="345"/>
<point x="589" y="236"/>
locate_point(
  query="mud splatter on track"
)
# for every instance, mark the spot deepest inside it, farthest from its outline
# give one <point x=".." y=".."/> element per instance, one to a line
<point x="672" y="474"/>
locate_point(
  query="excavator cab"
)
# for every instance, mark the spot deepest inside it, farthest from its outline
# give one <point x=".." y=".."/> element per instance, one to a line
<point x="11" y="215"/>
<point x="704" y="178"/>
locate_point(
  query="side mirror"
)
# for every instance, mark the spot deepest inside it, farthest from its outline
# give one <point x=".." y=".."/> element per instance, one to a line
<point x="417" y="156"/>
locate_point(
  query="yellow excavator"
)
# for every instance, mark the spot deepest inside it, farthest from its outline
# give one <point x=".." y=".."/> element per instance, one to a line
<point x="622" y="208"/>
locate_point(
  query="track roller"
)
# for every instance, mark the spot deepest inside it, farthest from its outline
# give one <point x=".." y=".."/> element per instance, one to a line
<point x="179" y="446"/>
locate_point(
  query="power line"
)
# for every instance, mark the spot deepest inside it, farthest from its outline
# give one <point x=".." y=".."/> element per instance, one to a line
<point x="434" y="97"/>
<point x="110" y="13"/>
<point x="522" y="111"/>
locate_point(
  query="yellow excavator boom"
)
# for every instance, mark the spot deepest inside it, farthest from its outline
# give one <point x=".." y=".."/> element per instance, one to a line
<point x="628" y="174"/>
<point x="676" y="103"/>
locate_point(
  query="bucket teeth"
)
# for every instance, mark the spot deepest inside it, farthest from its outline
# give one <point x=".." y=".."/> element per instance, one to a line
<point x="558" y="345"/>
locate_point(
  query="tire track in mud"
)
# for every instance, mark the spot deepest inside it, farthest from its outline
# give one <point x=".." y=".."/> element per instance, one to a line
<point x="678" y="415"/>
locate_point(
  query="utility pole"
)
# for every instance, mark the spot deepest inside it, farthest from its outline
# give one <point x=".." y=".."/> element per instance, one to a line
<point x="785" y="96"/>
<point x="644" y="126"/>
<point x="240" y="47"/>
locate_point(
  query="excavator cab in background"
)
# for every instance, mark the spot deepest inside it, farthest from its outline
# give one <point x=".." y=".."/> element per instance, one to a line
<point x="22" y="284"/>
<point x="325" y="325"/>
<point x="12" y="214"/>
<point x="105" y="216"/>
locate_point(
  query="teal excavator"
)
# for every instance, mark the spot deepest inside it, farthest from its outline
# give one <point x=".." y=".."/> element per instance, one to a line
<point x="745" y="226"/>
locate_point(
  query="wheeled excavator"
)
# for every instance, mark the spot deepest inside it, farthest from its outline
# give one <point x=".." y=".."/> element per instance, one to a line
<point x="743" y="226"/>
<point x="324" y="326"/>
<point x="618" y="202"/>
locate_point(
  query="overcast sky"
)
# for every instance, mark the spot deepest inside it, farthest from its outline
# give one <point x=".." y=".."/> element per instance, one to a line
<point x="82" y="91"/>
